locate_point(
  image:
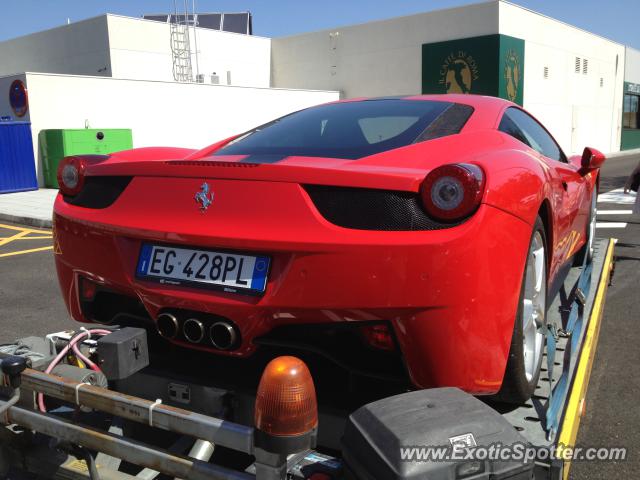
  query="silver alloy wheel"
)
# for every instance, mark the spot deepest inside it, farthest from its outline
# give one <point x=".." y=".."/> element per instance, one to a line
<point x="592" y="224"/>
<point x="534" y="306"/>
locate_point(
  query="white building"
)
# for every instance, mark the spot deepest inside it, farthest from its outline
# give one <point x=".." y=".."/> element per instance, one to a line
<point x="136" y="49"/>
<point x="572" y="80"/>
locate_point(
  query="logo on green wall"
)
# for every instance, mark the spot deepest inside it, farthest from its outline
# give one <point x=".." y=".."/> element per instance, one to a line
<point x="458" y="72"/>
<point x="512" y="74"/>
<point x="486" y="65"/>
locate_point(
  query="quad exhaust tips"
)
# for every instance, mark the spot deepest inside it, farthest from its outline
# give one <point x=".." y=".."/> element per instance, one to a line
<point x="222" y="334"/>
<point x="167" y="325"/>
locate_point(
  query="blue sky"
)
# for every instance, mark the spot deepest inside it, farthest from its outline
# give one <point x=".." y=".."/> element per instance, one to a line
<point x="618" y="20"/>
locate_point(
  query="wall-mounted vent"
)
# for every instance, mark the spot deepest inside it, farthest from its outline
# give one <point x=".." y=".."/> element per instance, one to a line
<point x="577" y="64"/>
<point x="546" y="72"/>
<point x="585" y="66"/>
<point x="601" y="82"/>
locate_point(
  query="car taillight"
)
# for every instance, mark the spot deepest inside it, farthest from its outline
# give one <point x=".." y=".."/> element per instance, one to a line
<point x="452" y="192"/>
<point x="378" y="336"/>
<point x="71" y="171"/>
<point x="88" y="289"/>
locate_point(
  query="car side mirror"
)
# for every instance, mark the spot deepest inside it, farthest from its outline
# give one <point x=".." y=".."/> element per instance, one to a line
<point x="591" y="159"/>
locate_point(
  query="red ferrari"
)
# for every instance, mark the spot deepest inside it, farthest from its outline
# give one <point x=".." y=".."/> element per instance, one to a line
<point x="435" y="228"/>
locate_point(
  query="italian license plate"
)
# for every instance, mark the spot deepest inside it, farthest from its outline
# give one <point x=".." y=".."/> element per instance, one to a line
<point x="231" y="272"/>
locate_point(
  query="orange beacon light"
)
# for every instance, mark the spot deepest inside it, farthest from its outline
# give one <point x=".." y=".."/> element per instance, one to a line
<point x="286" y="402"/>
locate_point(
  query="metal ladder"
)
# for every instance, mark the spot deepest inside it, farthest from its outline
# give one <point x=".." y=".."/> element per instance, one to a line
<point x="181" y="47"/>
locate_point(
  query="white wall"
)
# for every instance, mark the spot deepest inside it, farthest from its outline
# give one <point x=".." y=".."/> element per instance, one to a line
<point x="573" y="106"/>
<point x="377" y="58"/>
<point x="140" y="49"/>
<point x="632" y="65"/>
<point x="159" y="113"/>
<point x="80" y="48"/>
<point x="134" y="48"/>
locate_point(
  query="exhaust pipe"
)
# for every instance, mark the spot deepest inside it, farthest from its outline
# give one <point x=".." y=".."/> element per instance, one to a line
<point x="193" y="330"/>
<point x="167" y="325"/>
<point x="223" y="335"/>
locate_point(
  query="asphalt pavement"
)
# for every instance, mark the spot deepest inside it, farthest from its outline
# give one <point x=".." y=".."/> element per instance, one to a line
<point x="31" y="304"/>
<point x="30" y="299"/>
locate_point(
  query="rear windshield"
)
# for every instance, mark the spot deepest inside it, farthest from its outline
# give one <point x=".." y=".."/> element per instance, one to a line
<point x="346" y="130"/>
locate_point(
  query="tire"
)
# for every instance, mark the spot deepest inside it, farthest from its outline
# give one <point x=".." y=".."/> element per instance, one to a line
<point x="527" y="342"/>
<point x="587" y="248"/>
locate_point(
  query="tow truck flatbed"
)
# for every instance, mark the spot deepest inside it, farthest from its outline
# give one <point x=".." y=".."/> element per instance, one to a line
<point x="173" y="413"/>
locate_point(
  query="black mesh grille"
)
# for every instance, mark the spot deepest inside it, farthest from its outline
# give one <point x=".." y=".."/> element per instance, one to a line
<point x="448" y="123"/>
<point x="372" y="209"/>
<point x="99" y="192"/>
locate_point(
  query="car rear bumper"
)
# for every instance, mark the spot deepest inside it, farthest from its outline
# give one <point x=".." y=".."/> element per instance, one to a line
<point x="451" y="295"/>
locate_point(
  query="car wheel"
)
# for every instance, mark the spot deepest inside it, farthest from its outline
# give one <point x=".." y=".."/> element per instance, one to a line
<point x="587" y="248"/>
<point x="528" y="340"/>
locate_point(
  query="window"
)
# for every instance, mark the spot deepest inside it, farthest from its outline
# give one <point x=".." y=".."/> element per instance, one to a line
<point x="525" y="128"/>
<point x="631" y="112"/>
<point x="378" y="129"/>
<point x="348" y="130"/>
<point x="509" y="127"/>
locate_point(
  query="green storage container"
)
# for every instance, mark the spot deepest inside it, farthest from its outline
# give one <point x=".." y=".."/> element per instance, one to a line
<point x="58" y="143"/>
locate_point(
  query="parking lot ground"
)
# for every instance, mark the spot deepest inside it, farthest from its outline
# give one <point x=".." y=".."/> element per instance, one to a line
<point x="30" y="301"/>
<point x="31" y="304"/>
<point x="17" y="240"/>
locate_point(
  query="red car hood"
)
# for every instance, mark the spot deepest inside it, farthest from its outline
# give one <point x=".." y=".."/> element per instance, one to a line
<point x="400" y="169"/>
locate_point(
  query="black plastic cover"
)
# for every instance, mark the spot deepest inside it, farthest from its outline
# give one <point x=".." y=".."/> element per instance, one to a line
<point x="375" y="433"/>
<point x="373" y="209"/>
<point x="99" y="192"/>
<point x="123" y="352"/>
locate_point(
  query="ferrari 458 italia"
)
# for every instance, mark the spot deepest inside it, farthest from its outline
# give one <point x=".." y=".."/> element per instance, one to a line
<point x="431" y="229"/>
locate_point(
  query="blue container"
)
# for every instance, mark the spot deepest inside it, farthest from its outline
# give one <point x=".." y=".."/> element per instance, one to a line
<point x="17" y="163"/>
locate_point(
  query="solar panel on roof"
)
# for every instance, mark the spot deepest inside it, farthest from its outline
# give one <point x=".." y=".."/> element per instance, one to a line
<point x="228" y="22"/>
<point x="180" y="19"/>
<point x="156" y="18"/>
<point x="236" y="22"/>
<point x="210" y="20"/>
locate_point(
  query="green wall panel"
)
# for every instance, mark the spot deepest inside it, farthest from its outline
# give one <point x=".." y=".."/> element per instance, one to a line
<point x="486" y="65"/>
<point x="630" y="139"/>
<point x="511" y="70"/>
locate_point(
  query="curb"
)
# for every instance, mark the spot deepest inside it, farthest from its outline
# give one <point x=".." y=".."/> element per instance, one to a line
<point x="30" y="221"/>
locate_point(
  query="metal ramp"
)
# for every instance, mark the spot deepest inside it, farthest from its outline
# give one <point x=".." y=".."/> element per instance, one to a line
<point x="530" y="418"/>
